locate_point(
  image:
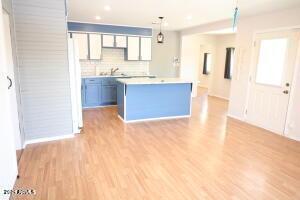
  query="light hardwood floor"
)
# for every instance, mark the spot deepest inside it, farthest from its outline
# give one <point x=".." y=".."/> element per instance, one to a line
<point x="208" y="156"/>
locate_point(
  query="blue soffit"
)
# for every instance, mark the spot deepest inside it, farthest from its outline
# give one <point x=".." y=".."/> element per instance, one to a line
<point x="104" y="28"/>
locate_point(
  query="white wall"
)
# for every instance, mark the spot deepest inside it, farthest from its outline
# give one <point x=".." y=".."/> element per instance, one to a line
<point x="163" y="54"/>
<point x="192" y="57"/>
<point x="207" y="45"/>
<point x="247" y="28"/>
<point x="220" y="86"/>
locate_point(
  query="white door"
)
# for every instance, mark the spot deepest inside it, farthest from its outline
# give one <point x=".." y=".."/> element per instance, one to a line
<point x="271" y="78"/>
<point x="75" y="83"/>
<point x="133" y="48"/>
<point x="82" y="41"/>
<point x="145" y="48"/>
<point x="8" y="166"/>
<point x="95" y="46"/>
<point x="11" y="75"/>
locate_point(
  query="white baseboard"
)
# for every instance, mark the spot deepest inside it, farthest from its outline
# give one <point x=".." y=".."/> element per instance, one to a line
<point x="154" y="119"/>
<point x="99" y="106"/>
<point x="293" y="137"/>
<point x="47" y="139"/>
<point x="202" y="86"/>
<point x="221" y="97"/>
<point x="236" y="117"/>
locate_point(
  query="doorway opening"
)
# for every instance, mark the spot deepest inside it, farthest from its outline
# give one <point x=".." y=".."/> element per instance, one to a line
<point x="207" y="59"/>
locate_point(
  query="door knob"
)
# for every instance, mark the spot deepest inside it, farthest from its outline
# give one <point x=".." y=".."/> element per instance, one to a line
<point x="287" y="84"/>
<point x="285" y="91"/>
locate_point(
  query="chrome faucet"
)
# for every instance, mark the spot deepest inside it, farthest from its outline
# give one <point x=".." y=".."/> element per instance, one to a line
<point x="112" y="71"/>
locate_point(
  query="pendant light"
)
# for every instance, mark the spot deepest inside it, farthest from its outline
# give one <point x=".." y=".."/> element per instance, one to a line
<point x="160" y="36"/>
<point x="236" y="14"/>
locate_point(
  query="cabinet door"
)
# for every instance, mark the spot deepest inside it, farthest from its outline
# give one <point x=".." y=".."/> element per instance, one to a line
<point x="95" y="46"/>
<point x="82" y="42"/>
<point x="145" y="48"/>
<point x="92" y="95"/>
<point x="121" y="41"/>
<point x="109" y="94"/>
<point x="133" y="48"/>
<point x="108" y="41"/>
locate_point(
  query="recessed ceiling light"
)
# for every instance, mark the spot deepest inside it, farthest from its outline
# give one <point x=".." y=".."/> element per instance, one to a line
<point x="166" y="24"/>
<point x="107" y="8"/>
<point x="98" y="18"/>
<point x="189" y="17"/>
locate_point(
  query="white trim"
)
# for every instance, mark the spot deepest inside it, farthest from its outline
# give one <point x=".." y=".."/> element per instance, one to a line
<point x="292" y="94"/>
<point x="85" y="22"/>
<point x="236" y="117"/>
<point x="124" y="101"/>
<point x="153" y="119"/>
<point x="47" y="139"/>
<point x="121" y="118"/>
<point x="102" y="33"/>
<point x="104" y="106"/>
<point x="224" y="98"/>
<point x="191" y="101"/>
<point x="293" y="137"/>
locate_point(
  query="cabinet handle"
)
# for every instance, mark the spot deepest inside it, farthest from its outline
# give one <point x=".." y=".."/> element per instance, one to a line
<point x="10" y="82"/>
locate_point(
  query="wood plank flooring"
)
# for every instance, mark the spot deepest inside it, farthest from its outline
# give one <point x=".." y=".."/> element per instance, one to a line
<point x="207" y="156"/>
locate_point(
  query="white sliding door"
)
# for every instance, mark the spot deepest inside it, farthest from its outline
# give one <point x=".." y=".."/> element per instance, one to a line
<point x="11" y="76"/>
<point x="8" y="166"/>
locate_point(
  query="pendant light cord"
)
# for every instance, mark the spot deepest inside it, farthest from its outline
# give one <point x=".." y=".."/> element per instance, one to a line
<point x="160" y="25"/>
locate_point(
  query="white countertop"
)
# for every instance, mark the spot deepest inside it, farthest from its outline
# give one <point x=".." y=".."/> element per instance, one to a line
<point x="132" y="81"/>
<point x="114" y="76"/>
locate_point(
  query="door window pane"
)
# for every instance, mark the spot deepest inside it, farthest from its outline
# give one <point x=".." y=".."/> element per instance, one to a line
<point x="271" y="61"/>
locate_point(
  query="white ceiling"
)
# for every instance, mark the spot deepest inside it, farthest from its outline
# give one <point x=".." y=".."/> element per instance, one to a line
<point x="144" y="12"/>
<point x="221" y="31"/>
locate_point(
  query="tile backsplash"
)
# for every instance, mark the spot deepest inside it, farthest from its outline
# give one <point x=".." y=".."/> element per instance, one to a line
<point x="113" y="58"/>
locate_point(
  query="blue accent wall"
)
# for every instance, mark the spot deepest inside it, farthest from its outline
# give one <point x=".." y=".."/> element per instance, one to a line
<point x="104" y="28"/>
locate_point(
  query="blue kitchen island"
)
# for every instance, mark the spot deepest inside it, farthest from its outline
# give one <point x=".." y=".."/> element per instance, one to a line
<point x="142" y="99"/>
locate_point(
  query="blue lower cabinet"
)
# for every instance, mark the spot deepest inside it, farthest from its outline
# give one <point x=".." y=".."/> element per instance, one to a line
<point x="99" y="92"/>
<point x="109" y="94"/>
<point x="92" y="95"/>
